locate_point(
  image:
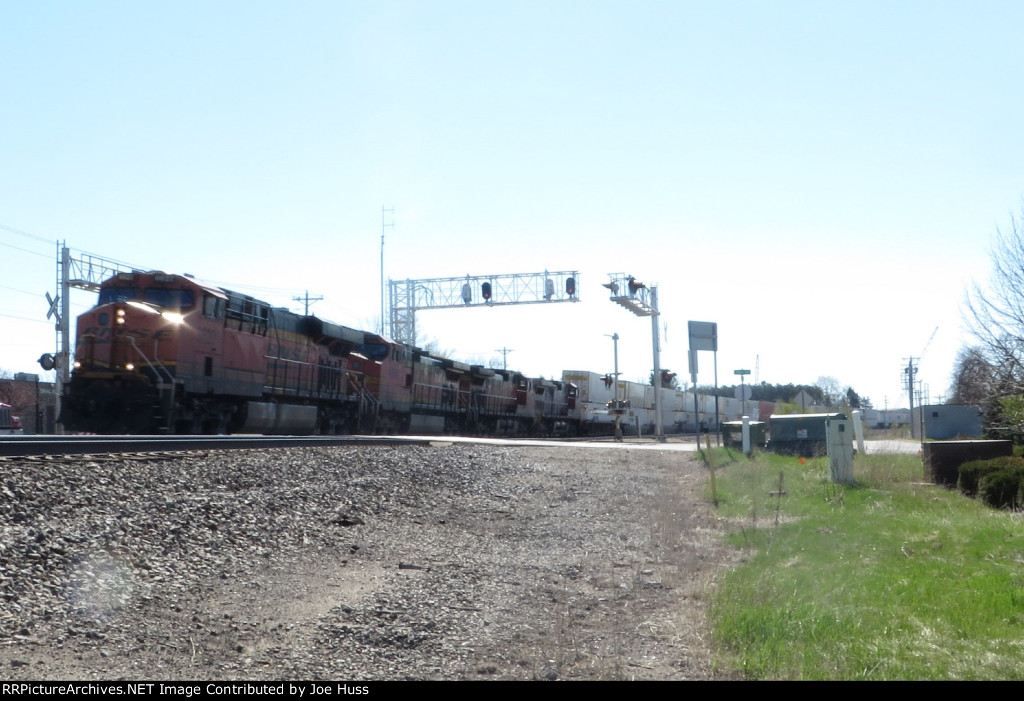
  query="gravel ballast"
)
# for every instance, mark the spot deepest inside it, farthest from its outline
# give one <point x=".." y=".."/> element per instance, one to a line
<point x="376" y="563"/>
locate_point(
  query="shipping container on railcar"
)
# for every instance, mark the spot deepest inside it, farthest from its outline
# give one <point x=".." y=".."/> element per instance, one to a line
<point x="595" y="392"/>
<point x="590" y="410"/>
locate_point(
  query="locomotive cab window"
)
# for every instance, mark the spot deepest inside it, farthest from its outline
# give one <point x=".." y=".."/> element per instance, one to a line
<point x="213" y="307"/>
<point x="113" y="294"/>
<point x="374" y="351"/>
<point x="179" y="300"/>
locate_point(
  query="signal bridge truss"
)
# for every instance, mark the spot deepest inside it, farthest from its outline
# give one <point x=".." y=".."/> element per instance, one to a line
<point x="409" y="296"/>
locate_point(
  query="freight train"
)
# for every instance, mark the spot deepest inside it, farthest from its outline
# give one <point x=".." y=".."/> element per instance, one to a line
<point x="163" y="353"/>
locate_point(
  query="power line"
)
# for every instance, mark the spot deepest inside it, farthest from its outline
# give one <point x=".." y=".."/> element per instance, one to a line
<point x="25" y="250"/>
<point x="25" y="318"/>
<point x="18" y="289"/>
<point x="19" y="232"/>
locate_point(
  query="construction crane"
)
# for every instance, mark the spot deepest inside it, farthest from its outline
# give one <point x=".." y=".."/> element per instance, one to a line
<point x="921" y="354"/>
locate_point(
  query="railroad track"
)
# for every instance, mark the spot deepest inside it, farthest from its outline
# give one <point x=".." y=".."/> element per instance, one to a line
<point x="28" y="446"/>
<point x="151" y="446"/>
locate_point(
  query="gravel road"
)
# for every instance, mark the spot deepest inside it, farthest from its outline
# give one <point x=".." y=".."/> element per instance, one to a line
<point x="385" y="563"/>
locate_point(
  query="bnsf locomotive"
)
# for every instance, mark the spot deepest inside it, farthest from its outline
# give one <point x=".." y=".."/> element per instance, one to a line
<point x="163" y="353"/>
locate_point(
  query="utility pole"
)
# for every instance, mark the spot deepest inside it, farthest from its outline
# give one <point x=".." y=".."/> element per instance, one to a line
<point x="308" y="300"/>
<point x="908" y="373"/>
<point x="504" y="356"/>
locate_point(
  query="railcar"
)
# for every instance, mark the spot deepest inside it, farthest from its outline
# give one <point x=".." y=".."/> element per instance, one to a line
<point x="682" y="411"/>
<point x="549" y="407"/>
<point x="164" y="353"/>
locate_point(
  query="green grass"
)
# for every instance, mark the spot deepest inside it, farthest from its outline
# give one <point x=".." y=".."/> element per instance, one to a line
<point x="892" y="578"/>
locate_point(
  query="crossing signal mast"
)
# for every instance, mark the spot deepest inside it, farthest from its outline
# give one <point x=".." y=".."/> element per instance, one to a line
<point x="410" y="296"/>
<point x="85" y="272"/>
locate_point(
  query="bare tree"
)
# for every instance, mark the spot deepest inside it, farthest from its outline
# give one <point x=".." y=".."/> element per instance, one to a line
<point x="974" y="377"/>
<point x="20" y="395"/>
<point x="995" y="316"/>
<point x="830" y="388"/>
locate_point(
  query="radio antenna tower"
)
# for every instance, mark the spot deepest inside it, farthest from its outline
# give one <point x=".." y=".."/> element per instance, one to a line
<point x="384" y="225"/>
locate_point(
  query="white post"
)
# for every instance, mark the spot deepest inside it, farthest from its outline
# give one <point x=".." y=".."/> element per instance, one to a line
<point x="858" y="431"/>
<point x="746" y="435"/>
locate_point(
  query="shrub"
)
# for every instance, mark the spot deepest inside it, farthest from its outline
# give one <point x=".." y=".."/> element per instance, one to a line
<point x="971" y="473"/>
<point x="1002" y="488"/>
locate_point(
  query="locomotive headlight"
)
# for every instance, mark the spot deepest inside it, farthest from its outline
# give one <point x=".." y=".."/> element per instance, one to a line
<point x="129" y="366"/>
<point x="173" y="317"/>
<point x="119" y="317"/>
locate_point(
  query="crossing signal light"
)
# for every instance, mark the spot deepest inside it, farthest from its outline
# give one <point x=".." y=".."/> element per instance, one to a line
<point x="570" y="286"/>
<point x="486" y="290"/>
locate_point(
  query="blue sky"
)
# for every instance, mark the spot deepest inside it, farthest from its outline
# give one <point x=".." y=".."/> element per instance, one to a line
<point x="820" y="178"/>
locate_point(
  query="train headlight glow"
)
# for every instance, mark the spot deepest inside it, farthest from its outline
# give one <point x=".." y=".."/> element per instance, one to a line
<point x="173" y="317"/>
<point x="129" y="366"/>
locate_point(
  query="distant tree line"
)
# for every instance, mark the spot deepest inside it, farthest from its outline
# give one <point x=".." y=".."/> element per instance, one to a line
<point x="765" y="392"/>
<point x="826" y="392"/>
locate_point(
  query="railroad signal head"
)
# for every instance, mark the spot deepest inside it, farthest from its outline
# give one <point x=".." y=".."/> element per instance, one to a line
<point x="486" y="290"/>
<point x="48" y="361"/>
<point x="570" y="286"/>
